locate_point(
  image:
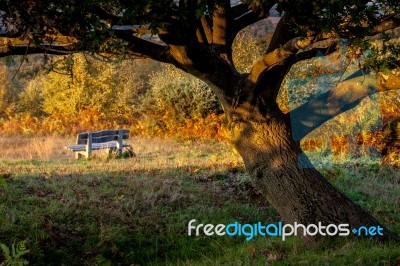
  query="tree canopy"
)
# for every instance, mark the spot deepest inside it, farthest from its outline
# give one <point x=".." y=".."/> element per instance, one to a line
<point x="117" y="26"/>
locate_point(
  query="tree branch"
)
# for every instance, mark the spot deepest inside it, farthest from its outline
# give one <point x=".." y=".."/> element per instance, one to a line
<point x="244" y="15"/>
<point x="25" y="50"/>
<point x="239" y="10"/>
<point x="277" y="56"/>
<point x="54" y="44"/>
<point x="143" y="48"/>
<point x="386" y="25"/>
<point x="334" y="102"/>
<point x="245" y="20"/>
<point x="66" y="45"/>
<point x="269" y="82"/>
<point x="208" y="32"/>
<point x="220" y="24"/>
<point x="104" y="15"/>
<point x="277" y="52"/>
<point x="347" y="94"/>
<point x="282" y="34"/>
<point x="324" y="47"/>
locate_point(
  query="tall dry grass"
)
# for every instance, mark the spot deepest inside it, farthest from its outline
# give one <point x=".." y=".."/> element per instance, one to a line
<point x="151" y="154"/>
<point x="22" y="147"/>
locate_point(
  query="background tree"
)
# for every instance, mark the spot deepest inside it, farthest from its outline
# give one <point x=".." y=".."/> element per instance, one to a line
<point x="197" y="37"/>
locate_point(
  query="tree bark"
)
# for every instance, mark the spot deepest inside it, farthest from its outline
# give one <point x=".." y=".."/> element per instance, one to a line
<point x="286" y="177"/>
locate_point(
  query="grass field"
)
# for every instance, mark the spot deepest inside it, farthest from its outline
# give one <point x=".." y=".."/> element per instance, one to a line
<point x="135" y="211"/>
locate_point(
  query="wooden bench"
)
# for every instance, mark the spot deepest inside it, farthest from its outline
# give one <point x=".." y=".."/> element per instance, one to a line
<point x="110" y="140"/>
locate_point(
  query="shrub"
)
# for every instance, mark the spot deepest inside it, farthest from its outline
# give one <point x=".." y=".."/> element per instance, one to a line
<point x="31" y="99"/>
<point x="175" y="93"/>
<point x="177" y="104"/>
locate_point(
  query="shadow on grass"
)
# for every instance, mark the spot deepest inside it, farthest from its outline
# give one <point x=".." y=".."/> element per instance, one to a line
<point x="125" y="217"/>
<point x="141" y="217"/>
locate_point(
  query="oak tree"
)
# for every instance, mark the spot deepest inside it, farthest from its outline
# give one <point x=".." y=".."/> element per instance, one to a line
<point x="197" y="35"/>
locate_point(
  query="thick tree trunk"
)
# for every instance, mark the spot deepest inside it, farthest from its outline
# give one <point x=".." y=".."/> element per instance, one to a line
<point x="290" y="183"/>
<point x="262" y="134"/>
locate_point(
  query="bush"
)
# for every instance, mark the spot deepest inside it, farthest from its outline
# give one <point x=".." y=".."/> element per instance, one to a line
<point x="175" y="93"/>
<point x="31" y="99"/>
<point x="174" y="101"/>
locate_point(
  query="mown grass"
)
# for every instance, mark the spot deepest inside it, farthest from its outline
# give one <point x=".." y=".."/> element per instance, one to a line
<point x="136" y="211"/>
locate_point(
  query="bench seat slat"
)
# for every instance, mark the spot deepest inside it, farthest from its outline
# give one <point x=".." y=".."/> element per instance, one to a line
<point x="82" y="138"/>
<point x="103" y="133"/>
<point x="95" y="146"/>
<point x="109" y="132"/>
<point x="103" y="139"/>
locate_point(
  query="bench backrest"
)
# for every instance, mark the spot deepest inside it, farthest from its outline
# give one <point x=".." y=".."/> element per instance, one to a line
<point x="103" y="136"/>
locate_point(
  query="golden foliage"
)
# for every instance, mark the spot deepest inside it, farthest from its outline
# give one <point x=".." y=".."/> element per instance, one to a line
<point x="89" y="94"/>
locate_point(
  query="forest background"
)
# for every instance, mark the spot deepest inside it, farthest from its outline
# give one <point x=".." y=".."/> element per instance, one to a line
<point x="64" y="95"/>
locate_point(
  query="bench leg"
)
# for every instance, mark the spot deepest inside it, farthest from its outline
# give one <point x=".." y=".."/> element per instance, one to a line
<point x="79" y="155"/>
<point x="110" y="152"/>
